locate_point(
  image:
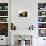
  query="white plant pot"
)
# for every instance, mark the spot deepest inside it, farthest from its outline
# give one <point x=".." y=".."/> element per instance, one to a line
<point x="22" y="43"/>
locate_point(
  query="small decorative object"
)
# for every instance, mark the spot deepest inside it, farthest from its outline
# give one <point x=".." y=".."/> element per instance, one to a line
<point x="41" y="19"/>
<point x="43" y="39"/>
<point x="42" y="32"/>
<point x="6" y="7"/>
<point x="3" y="26"/>
<point x="42" y="25"/>
<point x="41" y="6"/>
<point x="31" y="27"/>
<point x="3" y="19"/>
<point x="43" y="13"/>
<point x="3" y="13"/>
<point x="13" y="27"/>
<point x="0" y="7"/>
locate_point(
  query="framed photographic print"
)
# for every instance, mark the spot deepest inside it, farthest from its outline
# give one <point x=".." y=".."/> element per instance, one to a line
<point x="23" y="13"/>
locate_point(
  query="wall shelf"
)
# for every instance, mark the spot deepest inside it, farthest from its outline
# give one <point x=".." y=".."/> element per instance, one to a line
<point x="3" y="10"/>
<point x="4" y="19"/>
<point x="41" y="22"/>
<point x="41" y="28"/>
<point x="42" y="19"/>
<point x="41" y="10"/>
<point x="3" y="22"/>
<point x="3" y="16"/>
<point x="42" y="16"/>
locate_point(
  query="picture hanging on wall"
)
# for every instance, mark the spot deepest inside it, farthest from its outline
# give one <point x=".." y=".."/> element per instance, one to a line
<point x="23" y="13"/>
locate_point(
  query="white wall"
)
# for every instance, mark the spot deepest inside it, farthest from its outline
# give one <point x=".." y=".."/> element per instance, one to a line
<point x="24" y="23"/>
<point x="29" y="5"/>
